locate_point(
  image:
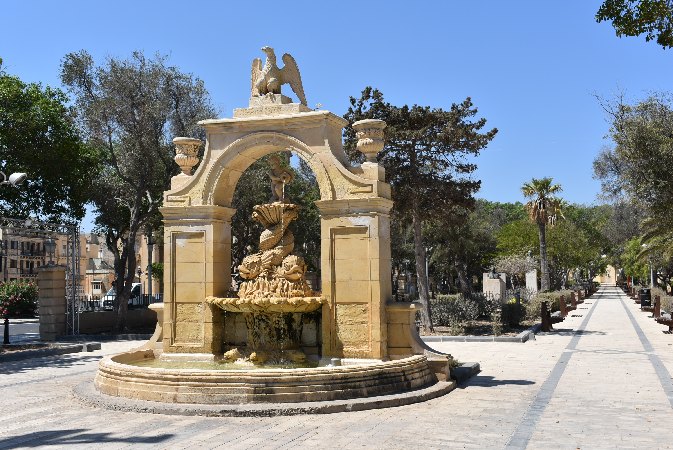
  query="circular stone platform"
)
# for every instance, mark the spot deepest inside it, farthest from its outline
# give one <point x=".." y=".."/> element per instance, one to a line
<point x="116" y="377"/>
<point x="88" y="395"/>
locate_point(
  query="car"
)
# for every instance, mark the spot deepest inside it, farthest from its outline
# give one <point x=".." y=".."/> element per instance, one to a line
<point x="134" y="299"/>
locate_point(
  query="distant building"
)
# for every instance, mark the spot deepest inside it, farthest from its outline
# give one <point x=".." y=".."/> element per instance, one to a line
<point x="23" y="252"/>
<point x="21" y="255"/>
<point x="99" y="270"/>
<point x="608" y="277"/>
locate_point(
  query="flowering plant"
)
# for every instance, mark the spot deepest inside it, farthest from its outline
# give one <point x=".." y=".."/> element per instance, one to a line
<point x="18" y="298"/>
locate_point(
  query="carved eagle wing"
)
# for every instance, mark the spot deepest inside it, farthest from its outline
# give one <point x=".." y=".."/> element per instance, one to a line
<point x="290" y="74"/>
<point x="255" y="75"/>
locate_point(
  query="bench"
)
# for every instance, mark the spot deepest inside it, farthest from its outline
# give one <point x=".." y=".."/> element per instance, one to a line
<point x="548" y="318"/>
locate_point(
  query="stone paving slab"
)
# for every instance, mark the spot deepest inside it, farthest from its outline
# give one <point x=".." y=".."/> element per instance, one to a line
<point x="52" y="350"/>
<point x="601" y="381"/>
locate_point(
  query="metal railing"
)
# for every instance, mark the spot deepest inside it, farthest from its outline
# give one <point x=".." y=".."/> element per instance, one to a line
<point x="105" y="303"/>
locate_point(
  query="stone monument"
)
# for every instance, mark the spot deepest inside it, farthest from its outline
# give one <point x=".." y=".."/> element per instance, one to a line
<point x="531" y="275"/>
<point x="531" y="281"/>
<point x="356" y="323"/>
<point x="494" y="284"/>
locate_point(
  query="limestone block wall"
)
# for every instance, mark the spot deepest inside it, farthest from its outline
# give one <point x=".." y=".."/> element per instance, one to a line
<point x="356" y="261"/>
<point x="52" y="302"/>
<point x="401" y="319"/>
<point x="197" y="259"/>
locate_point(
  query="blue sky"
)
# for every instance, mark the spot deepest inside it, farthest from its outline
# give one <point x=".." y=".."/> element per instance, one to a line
<point x="531" y="67"/>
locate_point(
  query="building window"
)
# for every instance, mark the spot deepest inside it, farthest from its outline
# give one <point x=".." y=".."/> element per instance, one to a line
<point x="12" y="263"/>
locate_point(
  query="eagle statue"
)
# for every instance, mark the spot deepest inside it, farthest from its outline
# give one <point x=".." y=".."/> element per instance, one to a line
<point x="269" y="79"/>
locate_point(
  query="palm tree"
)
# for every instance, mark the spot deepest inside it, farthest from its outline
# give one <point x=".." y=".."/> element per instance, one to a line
<point x="543" y="208"/>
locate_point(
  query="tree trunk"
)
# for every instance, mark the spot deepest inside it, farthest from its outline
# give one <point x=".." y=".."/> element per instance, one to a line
<point x="124" y="283"/>
<point x="465" y="283"/>
<point x="421" y="275"/>
<point x="544" y="264"/>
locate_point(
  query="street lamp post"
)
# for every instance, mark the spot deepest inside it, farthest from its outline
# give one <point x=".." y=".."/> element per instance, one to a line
<point x="50" y="247"/>
<point x="15" y="179"/>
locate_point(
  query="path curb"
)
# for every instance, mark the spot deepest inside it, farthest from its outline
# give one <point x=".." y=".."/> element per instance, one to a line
<point x="521" y="337"/>
<point x="465" y="371"/>
<point x="53" y="351"/>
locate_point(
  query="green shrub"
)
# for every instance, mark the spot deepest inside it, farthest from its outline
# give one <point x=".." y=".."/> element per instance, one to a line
<point x="18" y="299"/>
<point x="453" y="310"/>
<point x="496" y="322"/>
<point x="552" y="298"/>
<point x="666" y="299"/>
<point x="512" y="313"/>
<point x="486" y="305"/>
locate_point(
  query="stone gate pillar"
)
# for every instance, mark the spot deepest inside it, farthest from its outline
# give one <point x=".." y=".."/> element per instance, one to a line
<point x="197" y="243"/>
<point x="52" y="305"/>
<point x="356" y="268"/>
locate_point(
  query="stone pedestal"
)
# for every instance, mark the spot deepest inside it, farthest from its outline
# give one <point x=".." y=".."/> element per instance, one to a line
<point x="494" y="287"/>
<point x="52" y="303"/>
<point x="531" y="281"/>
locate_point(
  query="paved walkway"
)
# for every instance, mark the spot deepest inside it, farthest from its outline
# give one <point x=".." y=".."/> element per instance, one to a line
<point x="602" y="381"/>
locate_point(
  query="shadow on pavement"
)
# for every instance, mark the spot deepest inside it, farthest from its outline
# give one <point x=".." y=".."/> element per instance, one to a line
<point x="571" y="332"/>
<point x="57" y="361"/>
<point x="74" y="437"/>
<point x="489" y="381"/>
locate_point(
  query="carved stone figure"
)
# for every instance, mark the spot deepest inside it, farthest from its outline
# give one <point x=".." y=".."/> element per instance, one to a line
<point x="269" y="79"/>
<point x="273" y="272"/>
<point x="280" y="176"/>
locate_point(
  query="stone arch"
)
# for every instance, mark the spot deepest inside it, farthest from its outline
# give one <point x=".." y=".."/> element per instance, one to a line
<point x="225" y="171"/>
<point x="355" y="255"/>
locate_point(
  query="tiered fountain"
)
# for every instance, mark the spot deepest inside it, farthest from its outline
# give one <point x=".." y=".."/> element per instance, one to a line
<point x="278" y="340"/>
<point x="275" y="295"/>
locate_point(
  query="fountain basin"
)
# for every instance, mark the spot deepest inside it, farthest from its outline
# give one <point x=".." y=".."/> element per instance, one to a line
<point x="116" y="377"/>
<point x="268" y="304"/>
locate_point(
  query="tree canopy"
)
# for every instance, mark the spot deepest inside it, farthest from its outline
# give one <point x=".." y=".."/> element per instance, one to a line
<point x="130" y="109"/>
<point x="636" y="172"/>
<point x="425" y="158"/>
<point x="654" y="18"/>
<point x="38" y="136"/>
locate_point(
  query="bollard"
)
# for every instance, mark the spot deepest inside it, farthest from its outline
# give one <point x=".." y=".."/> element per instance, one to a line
<point x="562" y="306"/>
<point x="657" y="307"/>
<point x="6" y="334"/>
<point x="546" y="317"/>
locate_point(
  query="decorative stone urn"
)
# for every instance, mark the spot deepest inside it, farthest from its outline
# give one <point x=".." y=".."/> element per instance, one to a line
<point x="186" y="151"/>
<point x="370" y="137"/>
